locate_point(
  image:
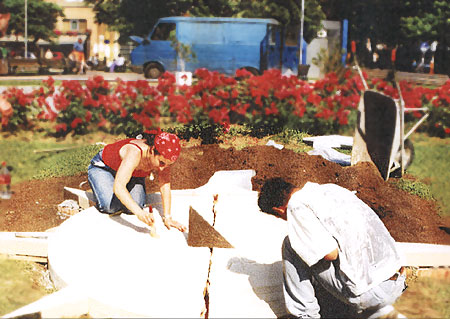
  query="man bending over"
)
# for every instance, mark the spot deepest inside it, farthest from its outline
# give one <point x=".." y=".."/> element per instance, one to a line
<point x="338" y="242"/>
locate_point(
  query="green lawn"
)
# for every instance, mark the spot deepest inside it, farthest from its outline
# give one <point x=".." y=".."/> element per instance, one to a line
<point x="432" y="166"/>
<point x="20" y="284"/>
<point x="34" y="158"/>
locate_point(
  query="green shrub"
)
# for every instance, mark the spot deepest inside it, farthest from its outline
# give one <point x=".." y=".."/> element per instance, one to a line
<point x="330" y="62"/>
<point x="416" y="188"/>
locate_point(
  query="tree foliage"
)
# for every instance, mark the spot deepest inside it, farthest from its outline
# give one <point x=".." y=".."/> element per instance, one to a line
<point x="426" y="20"/>
<point x="137" y="17"/>
<point x="287" y="12"/>
<point x="41" y="18"/>
<point x="392" y="21"/>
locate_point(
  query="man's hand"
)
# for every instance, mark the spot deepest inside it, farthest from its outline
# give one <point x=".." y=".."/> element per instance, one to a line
<point x="332" y="256"/>
<point x="169" y="222"/>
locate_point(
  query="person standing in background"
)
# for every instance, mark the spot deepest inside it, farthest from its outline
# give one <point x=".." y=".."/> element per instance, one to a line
<point x="78" y="50"/>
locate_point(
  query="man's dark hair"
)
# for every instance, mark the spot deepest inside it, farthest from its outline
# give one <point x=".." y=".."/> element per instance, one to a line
<point x="274" y="193"/>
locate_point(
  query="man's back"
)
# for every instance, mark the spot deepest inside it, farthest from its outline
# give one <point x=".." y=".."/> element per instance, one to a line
<point x="367" y="251"/>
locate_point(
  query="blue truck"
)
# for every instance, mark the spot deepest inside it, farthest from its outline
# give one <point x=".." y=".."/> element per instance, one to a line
<point x="217" y="44"/>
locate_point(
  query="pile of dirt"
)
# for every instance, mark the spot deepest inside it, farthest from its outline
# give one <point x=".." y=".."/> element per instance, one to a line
<point x="408" y="218"/>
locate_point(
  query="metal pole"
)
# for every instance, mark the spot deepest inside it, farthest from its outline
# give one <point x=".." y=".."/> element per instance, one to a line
<point x="402" y="127"/>
<point x="344" y="40"/>
<point x="301" y="33"/>
<point x="26" y="30"/>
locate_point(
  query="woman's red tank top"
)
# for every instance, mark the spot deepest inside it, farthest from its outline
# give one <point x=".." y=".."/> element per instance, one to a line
<point x="112" y="158"/>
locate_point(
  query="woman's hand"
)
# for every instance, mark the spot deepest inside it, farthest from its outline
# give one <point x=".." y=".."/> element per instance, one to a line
<point x="169" y="222"/>
<point x="146" y="217"/>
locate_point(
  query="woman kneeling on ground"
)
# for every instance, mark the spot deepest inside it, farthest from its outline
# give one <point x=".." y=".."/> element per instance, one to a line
<point x="117" y="175"/>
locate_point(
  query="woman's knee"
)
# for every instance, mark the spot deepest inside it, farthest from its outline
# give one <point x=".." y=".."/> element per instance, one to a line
<point x="137" y="191"/>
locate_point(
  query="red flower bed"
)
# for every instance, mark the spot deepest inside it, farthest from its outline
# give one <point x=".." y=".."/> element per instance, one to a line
<point x="327" y="106"/>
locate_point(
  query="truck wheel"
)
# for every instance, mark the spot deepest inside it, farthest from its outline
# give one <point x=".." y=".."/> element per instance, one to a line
<point x="13" y="70"/>
<point x="253" y="71"/>
<point x="43" y="70"/>
<point x="153" y="71"/>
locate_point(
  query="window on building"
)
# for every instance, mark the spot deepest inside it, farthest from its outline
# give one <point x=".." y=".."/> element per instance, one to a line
<point x="75" y="25"/>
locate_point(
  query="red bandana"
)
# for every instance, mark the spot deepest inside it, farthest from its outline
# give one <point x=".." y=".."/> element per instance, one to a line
<point x="168" y="145"/>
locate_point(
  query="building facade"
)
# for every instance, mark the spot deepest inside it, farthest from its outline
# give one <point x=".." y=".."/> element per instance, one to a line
<point x="79" y="22"/>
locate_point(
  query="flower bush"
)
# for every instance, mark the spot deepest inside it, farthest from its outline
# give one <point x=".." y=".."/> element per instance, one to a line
<point x="268" y="104"/>
<point x="25" y="109"/>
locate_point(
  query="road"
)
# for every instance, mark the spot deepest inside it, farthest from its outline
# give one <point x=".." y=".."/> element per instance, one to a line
<point x="129" y="76"/>
<point x="68" y="77"/>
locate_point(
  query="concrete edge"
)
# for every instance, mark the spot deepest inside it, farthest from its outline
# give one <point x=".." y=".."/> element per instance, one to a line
<point x="71" y="302"/>
<point x="425" y="255"/>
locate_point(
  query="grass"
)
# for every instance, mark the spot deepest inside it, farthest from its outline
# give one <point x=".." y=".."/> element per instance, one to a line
<point x="426" y="298"/>
<point x="30" y="82"/>
<point x="432" y="166"/>
<point x="21" y="284"/>
<point x="34" y="155"/>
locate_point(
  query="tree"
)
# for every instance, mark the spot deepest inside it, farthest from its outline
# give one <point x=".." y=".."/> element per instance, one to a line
<point x="41" y="18"/>
<point x="425" y="20"/>
<point x="287" y="12"/>
<point x="393" y="22"/>
<point x="137" y="17"/>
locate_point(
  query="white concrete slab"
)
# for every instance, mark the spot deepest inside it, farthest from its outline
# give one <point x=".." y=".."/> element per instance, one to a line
<point x="425" y="255"/>
<point x="246" y="281"/>
<point x="117" y="262"/>
<point x="338" y="141"/>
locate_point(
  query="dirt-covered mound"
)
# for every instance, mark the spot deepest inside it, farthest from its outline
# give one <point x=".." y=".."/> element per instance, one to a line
<point x="408" y="218"/>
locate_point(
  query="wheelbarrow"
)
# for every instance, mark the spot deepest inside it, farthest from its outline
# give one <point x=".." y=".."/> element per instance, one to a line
<point x="380" y="131"/>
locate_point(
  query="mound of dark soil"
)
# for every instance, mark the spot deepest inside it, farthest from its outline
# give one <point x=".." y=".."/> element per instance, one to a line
<point x="409" y="218"/>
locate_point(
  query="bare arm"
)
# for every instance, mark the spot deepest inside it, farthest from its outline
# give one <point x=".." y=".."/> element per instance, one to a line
<point x="131" y="157"/>
<point x="166" y="196"/>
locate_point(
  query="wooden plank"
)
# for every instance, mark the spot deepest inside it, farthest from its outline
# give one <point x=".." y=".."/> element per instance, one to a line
<point x="12" y="245"/>
<point x="416" y="78"/>
<point x="39" y="235"/>
<point x="60" y="149"/>
<point x="425" y="255"/>
<point x="35" y="259"/>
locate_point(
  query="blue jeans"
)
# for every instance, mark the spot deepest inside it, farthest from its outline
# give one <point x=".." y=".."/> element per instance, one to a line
<point x="301" y="281"/>
<point x="101" y="179"/>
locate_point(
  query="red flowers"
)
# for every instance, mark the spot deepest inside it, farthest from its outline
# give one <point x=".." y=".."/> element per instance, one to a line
<point x="75" y="122"/>
<point x="324" y="106"/>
